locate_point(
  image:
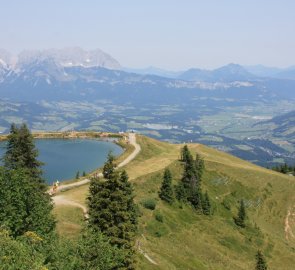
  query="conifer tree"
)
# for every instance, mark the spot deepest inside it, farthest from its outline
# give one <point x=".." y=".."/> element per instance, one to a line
<point x="180" y="192"/>
<point x="184" y="155"/>
<point x="166" y="191"/>
<point x="260" y="261"/>
<point x="241" y="217"/>
<point x="109" y="167"/>
<point x="190" y="180"/>
<point x="206" y="205"/>
<point x="112" y="211"/>
<point x="23" y="206"/>
<point x="24" y="203"/>
<point x="22" y="153"/>
<point x="95" y="252"/>
<point x="200" y="166"/>
<point x="195" y="198"/>
<point x="11" y="157"/>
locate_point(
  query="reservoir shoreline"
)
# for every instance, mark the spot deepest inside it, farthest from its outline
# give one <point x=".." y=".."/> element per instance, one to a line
<point x="115" y="138"/>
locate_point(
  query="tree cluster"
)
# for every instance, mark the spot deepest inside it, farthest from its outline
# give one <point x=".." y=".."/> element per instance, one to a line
<point x="189" y="188"/>
<point x="285" y="169"/>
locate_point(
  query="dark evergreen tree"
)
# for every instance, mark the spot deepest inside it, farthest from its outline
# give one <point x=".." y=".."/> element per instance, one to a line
<point x="206" y="205"/>
<point x="24" y="203"/>
<point x="190" y="180"/>
<point x="23" y="206"/>
<point x="22" y="153"/>
<point x="95" y="252"/>
<point x="112" y="211"/>
<point x="200" y="166"/>
<point x="185" y="154"/>
<point x="166" y="191"/>
<point x="195" y="198"/>
<point x="180" y="192"/>
<point x="260" y="261"/>
<point x="109" y="167"/>
<point x="241" y="217"/>
<point x="84" y="174"/>
<point x="11" y="157"/>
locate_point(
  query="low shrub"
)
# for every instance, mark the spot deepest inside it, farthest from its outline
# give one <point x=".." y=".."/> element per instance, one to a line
<point x="159" y="217"/>
<point x="149" y="204"/>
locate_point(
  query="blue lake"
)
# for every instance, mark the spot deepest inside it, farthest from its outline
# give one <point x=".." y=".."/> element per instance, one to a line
<point x="64" y="157"/>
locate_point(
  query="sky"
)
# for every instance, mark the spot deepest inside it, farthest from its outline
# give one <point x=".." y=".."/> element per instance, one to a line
<point x="169" y="34"/>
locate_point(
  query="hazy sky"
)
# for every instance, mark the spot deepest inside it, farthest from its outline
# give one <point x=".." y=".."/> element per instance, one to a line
<point x="171" y="34"/>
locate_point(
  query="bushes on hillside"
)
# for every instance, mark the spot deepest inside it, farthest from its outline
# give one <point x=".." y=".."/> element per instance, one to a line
<point x="149" y="204"/>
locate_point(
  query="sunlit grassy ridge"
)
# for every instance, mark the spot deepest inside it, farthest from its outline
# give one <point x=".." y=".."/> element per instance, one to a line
<point x="187" y="240"/>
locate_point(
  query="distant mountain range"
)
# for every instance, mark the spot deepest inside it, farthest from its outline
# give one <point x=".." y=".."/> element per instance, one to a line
<point x="77" y="57"/>
<point x="73" y="88"/>
<point x="74" y="74"/>
<point x="67" y="57"/>
<point x="230" y="72"/>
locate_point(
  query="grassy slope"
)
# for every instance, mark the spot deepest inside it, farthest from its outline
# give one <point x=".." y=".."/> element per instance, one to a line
<point x="186" y="240"/>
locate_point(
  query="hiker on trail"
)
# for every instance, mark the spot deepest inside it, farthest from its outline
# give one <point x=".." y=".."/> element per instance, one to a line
<point x="55" y="186"/>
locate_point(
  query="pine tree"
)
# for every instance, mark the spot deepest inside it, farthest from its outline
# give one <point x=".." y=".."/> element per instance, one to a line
<point x="22" y="153"/>
<point x="166" y="191"/>
<point x="11" y="157"/>
<point x="24" y="203"/>
<point x="241" y="217"/>
<point x="190" y="180"/>
<point x="95" y="252"/>
<point x="109" y="167"/>
<point x="195" y="198"/>
<point x="112" y="211"/>
<point x="23" y="206"/>
<point x="200" y="166"/>
<point x="260" y="261"/>
<point x="180" y="192"/>
<point x="185" y="154"/>
<point x="206" y="205"/>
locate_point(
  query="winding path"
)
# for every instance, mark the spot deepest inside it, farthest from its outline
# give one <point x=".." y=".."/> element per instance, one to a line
<point x="132" y="140"/>
<point x="61" y="200"/>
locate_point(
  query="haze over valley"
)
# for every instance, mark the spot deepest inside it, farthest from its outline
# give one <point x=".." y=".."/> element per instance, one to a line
<point x="227" y="108"/>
